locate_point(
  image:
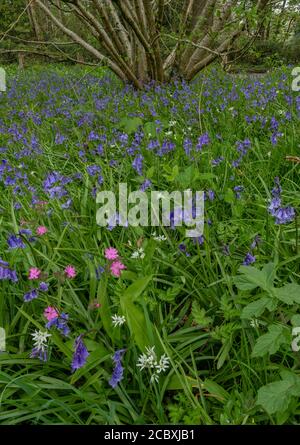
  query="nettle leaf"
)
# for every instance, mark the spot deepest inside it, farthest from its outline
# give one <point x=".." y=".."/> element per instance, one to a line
<point x="251" y="277"/>
<point x="270" y="342"/>
<point x="188" y="176"/>
<point x="171" y="293"/>
<point x="289" y="294"/>
<point x="276" y="397"/>
<point x="173" y="174"/>
<point x="199" y="315"/>
<point x="131" y="125"/>
<point x="256" y="308"/>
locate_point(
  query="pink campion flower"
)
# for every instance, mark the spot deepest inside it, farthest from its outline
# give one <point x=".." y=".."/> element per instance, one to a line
<point x="34" y="273"/>
<point x="70" y="271"/>
<point x="116" y="267"/>
<point x="50" y="313"/>
<point x="41" y="230"/>
<point x="111" y="253"/>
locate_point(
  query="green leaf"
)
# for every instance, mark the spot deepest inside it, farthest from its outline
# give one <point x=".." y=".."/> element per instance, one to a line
<point x="188" y="177"/>
<point x="275" y="397"/>
<point x="207" y="176"/>
<point x="199" y="315"/>
<point x="270" y="342"/>
<point x="150" y="129"/>
<point x="104" y="309"/>
<point x="229" y="196"/>
<point x="137" y="288"/>
<point x="251" y="277"/>
<point x="256" y="308"/>
<point x="170" y="294"/>
<point x="131" y="125"/>
<point x="224" y="353"/>
<point x="174" y="174"/>
<point x="134" y="314"/>
<point x="215" y="390"/>
<point x="295" y="320"/>
<point x="288" y="294"/>
<point x="181" y="382"/>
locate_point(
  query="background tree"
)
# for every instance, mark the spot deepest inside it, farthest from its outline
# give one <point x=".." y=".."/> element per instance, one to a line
<point x="143" y="40"/>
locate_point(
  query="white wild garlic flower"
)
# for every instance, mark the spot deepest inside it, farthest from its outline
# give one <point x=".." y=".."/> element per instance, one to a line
<point x="118" y="320"/>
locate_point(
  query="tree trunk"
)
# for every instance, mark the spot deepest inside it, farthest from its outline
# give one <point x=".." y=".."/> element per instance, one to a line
<point x="131" y="37"/>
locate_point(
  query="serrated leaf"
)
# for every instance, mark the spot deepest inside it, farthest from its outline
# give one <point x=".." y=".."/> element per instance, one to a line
<point x="288" y="294"/>
<point x="250" y="278"/>
<point x="275" y="397"/>
<point x="199" y="315"/>
<point x="270" y="342"/>
<point x="131" y="125"/>
<point x="256" y="308"/>
<point x="188" y="177"/>
<point x="170" y="294"/>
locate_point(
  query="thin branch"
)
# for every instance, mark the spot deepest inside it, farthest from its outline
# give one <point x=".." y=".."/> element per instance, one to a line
<point x="76" y="38"/>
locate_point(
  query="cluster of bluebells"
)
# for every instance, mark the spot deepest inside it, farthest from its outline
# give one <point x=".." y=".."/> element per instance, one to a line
<point x="80" y="354"/>
<point x="118" y="371"/>
<point x="242" y="148"/>
<point x="6" y="273"/>
<point x="282" y="215"/>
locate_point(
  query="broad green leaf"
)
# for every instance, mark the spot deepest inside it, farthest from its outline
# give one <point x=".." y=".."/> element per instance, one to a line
<point x="270" y="342"/>
<point x="275" y="397"/>
<point x="250" y="278"/>
<point x="288" y="294"/>
<point x="131" y="125"/>
<point x="104" y="309"/>
<point x="256" y="308"/>
<point x="134" y="314"/>
<point x="136" y="321"/>
<point x="137" y="288"/>
<point x="188" y="177"/>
